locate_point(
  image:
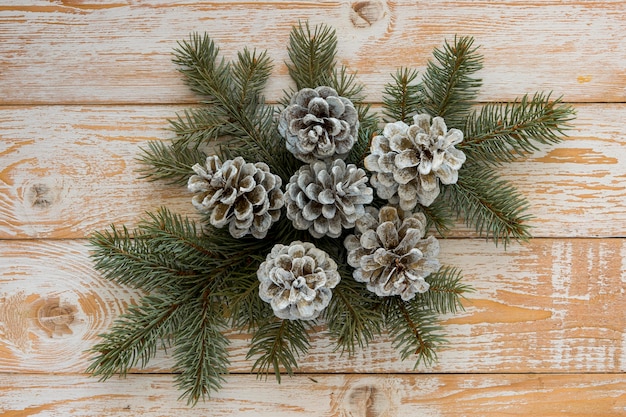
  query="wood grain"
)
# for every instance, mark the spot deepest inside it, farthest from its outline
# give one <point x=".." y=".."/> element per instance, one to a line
<point x="74" y="171"/>
<point x="83" y="52"/>
<point x="550" y="306"/>
<point x="493" y="395"/>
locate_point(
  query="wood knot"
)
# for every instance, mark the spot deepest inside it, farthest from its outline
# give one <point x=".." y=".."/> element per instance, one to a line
<point x="53" y="317"/>
<point x="41" y="196"/>
<point x="365" y="13"/>
<point x="369" y="401"/>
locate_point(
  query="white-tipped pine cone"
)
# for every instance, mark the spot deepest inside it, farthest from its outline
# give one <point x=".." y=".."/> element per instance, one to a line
<point x="389" y="254"/>
<point x="408" y="162"/>
<point x="319" y="124"/>
<point x="326" y="197"/>
<point x="297" y="280"/>
<point x="245" y="196"/>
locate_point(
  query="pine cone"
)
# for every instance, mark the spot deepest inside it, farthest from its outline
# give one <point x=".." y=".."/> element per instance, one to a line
<point x="389" y="254"/>
<point x="296" y="280"/>
<point x="408" y="162"/>
<point x="318" y="124"/>
<point x="325" y="197"/>
<point x="245" y="196"/>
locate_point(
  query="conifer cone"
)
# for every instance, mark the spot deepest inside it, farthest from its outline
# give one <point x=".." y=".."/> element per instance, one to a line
<point x="297" y="280"/>
<point x="245" y="196"/>
<point x="389" y="254"/>
<point x="408" y="162"/>
<point x="326" y="197"/>
<point x="319" y="124"/>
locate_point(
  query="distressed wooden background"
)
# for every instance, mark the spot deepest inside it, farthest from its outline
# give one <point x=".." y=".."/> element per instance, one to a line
<point x="84" y="83"/>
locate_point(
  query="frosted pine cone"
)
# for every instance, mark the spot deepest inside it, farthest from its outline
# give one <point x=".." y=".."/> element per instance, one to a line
<point x="325" y="197"/>
<point x="408" y="162"/>
<point x="296" y="280"/>
<point x="318" y="124"/>
<point x="244" y="195"/>
<point x="389" y="254"/>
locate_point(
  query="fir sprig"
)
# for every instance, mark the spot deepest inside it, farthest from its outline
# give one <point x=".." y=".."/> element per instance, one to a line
<point x="311" y="54"/>
<point x="167" y="162"/>
<point x="201" y="356"/>
<point x="493" y="206"/>
<point x="277" y="345"/>
<point x="448" y="88"/>
<point x="413" y="328"/>
<point x="500" y="132"/>
<point x="135" y="335"/>
<point x="353" y="316"/>
<point x="402" y="98"/>
<point x="445" y="292"/>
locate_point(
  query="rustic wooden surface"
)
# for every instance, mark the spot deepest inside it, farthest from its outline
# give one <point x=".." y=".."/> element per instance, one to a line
<point x="83" y="84"/>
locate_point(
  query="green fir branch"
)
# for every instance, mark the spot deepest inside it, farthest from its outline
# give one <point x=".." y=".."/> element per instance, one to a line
<point x="163" y="252"/>
<point x="198" y="127"/>
<point x="401" y="98"/>
<point x="353" y="316"/>
<point x="278" y="344"/>
<point x="250" y="73"/>
<point x="135" y="335"/>
<point x="500" y="132"/>
<point x="448" y="88"/>
<point x="445" y="292"/>
<point x="205" y="72"/>
<point x="345" y="84"/>
<point x="413" y="328"/>
<point x="312" y="54"/>
<point x="201" y="355"/>
<point x="494" y="207"/>
<point x="162" y="161"/>
<point x="234" y="93"/>
<point x="438" y="215"/>
<point x="128" y="259"/>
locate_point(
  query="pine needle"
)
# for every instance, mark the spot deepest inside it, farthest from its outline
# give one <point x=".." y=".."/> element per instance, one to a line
<point x="135" y="335"/>
<point x="448" y="88"/>
<point x="312" y="55"/>
<point x="278" y="344"/>
<point x="445" y="292"/>
<point x="501" y="132"/>
<point x="401" y="98"/>
<point x="201" y="351"/>
<point x="353" y="316"/>
<point x="494" y="207"/>
<point x="413" y="329"/>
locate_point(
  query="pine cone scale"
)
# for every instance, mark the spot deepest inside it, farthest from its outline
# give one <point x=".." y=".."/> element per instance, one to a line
<point x="237" y="193"/>
<point x="389" y="255"/>
<point x="319" y="124"/>
<point x="297" y="280"/>
<point x="422" y="154"/>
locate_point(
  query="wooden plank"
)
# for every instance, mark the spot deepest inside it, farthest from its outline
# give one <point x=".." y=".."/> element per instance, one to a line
<point x="66" y="171"/>
<point x="553" y="305"/>
<point x="87" y="52"/>
<point x="322" y="395"/>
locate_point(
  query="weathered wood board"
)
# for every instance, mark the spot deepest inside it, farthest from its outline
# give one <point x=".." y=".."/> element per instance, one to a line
<point x="494" y="395"/>
<point x="552" y="305"/>
<point x="75" y="171"/>
<point x="75" y="51"/>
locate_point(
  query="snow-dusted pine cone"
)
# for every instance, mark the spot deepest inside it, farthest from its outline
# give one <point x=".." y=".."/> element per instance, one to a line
<point x="319" y="124"/>
<point x="389" y="254"/>
<point x="244" y="195"/>
<point x="408" y="162"/>
<point x="297" y="280"/>
<point x="325" y="197"/>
